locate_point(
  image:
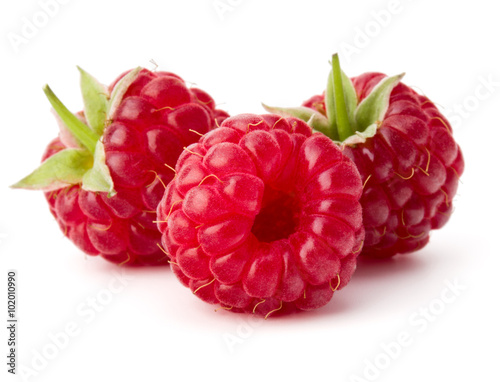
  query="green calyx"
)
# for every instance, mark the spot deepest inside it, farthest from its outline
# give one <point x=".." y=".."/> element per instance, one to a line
<point x="86" y="163"/>
<point x="345" y="119"/>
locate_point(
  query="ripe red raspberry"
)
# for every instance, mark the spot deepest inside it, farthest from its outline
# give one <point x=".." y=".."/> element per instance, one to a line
<point x="107" y="171"/>
<point x="404" y="150"/>
<point x="263" y="216"/>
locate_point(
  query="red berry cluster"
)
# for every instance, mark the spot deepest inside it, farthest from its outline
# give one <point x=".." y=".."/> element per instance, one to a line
<point x="262" y="214"/>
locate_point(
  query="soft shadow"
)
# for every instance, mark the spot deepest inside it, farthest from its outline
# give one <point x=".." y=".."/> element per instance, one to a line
<point x="370" y="269"/>
<point x="378" y="277"/>
<point x="375" y="280"/>
<point x="99" y="265"/>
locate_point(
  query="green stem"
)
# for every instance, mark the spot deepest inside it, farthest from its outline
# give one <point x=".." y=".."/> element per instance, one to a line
<point x="82" y="133"/>
<point x="343" y="126"/>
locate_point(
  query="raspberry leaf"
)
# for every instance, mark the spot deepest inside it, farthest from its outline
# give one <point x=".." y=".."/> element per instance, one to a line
<point x="82" y="133"/>
<point x="119" y="91"/>
<point x="373" y="108"/>
<point x="95" y="100"/>
<point x="60" y="170"/>
<point x="98" y="179"/>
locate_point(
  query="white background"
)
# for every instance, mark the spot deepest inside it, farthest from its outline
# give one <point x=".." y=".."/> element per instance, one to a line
<point x="276" y="52"/>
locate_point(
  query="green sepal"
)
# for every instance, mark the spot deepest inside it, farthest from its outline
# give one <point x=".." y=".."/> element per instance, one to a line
<point x="330" y="103"/>
<point x="373" y="108"/>
<point x="340" y="101"/>
<point x="86" y="163"/>
<point x="346" y="121"/>
<point x="301" y="112"/>
<point x="82" y="133"/>
<point x="361" y="137"/>
<point x="119" y="91"/>
<point x="351" y="99"/>
<point x="64" y="134"/>
<point x="98" y="178"/>
<point x="95" y="100"/>
<point x="62" y="169"/>
<point x="317" y="121"/>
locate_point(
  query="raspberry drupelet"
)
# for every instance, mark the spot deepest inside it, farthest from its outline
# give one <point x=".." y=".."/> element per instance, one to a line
<point x="263" y="216"/>
<point x="105" y="174"/>
<point x="404" y="149"/>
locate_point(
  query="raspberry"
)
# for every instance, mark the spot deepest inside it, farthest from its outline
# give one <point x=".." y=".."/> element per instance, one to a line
<point x="105" y="174"/>
<point x="404" y="150"/>
<point x="263" y="216"/>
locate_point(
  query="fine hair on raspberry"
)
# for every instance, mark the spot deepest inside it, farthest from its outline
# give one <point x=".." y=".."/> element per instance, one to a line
<point x="140" y="124"/>
<point x="263" y="216"/>
<point x="403" y="147"/>
<point x="411" y="169"/>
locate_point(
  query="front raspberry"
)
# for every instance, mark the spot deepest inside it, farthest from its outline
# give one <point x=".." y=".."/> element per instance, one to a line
<point x="404" y="150"/>
<point x="105" y="174"/>
<point x="263" y="216"/>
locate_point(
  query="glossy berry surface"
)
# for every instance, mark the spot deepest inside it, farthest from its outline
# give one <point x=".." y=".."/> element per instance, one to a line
<point x="263" y="216"/>
<point x="410" y="169"/>
<point x="157" y="116"/>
